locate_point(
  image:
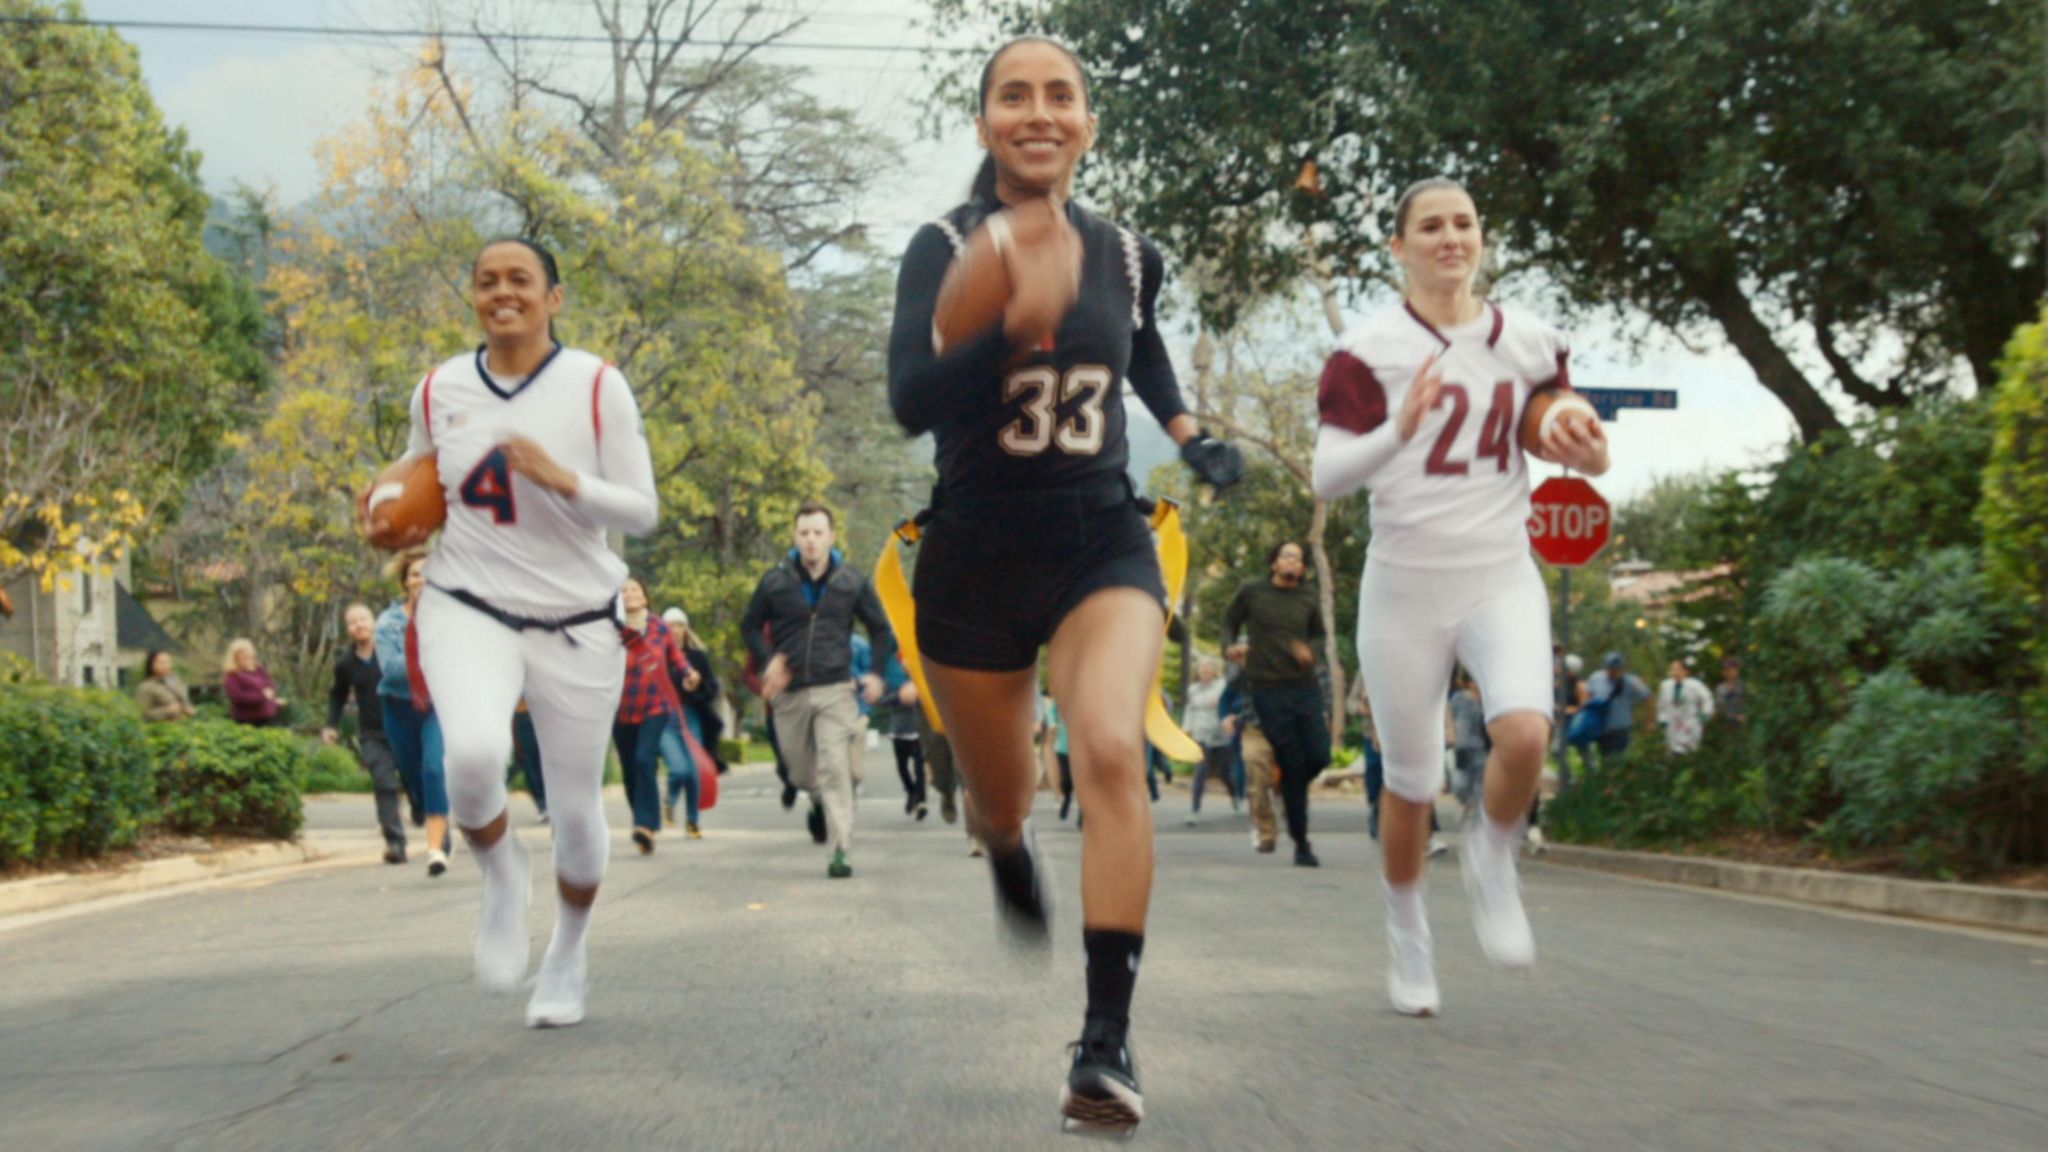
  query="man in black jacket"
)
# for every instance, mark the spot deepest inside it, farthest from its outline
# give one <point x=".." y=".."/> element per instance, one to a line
<point x="808" y="605"/>
<point x="1283" y="622"/>
<point x="356" y="675"/>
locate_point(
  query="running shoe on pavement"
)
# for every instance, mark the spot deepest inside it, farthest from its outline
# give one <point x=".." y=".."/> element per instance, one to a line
<point x="1496" y="895"/>
<point x="1101" y="1097"/>
<point x="1023" y="893"/>
<point x="1411" y="972"/>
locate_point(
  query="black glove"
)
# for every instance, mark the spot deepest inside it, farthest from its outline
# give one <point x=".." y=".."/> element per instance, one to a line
<point x="1214" y="462"/>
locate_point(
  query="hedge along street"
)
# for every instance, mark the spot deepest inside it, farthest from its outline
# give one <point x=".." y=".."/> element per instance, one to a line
<point x="81" y="774"/>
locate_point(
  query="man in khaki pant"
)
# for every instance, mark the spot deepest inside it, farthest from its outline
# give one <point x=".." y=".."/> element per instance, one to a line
<point x="799" y="628"/>
<point x="820" y="729"/>
<point x="1261" y="785"/>
<point x="1261" y="768"/>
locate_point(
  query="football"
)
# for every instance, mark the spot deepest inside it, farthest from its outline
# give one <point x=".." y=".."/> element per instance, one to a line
<point x="974" y="293"/>
<point x="404" y="505"/>
<point x="1032" y="240"/>
<point x="1548" y="408"/>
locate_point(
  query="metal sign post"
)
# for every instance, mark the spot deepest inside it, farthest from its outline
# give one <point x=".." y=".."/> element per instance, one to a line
<point x="1609" y="403"/>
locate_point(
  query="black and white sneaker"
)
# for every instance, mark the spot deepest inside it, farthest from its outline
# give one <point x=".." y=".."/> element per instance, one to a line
<point x="1101" y="1097"/>
<point x="1023" y="893"/>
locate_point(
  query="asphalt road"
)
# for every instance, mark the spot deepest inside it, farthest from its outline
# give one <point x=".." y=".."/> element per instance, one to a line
<point x="741" y="1000"/>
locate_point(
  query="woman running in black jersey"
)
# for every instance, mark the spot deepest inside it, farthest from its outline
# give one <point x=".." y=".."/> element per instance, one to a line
<point x="1036" y="541"/>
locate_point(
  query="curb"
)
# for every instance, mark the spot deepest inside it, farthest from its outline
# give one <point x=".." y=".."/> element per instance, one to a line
<point x="61" y="889"/>
<point x="1974" y="905"/>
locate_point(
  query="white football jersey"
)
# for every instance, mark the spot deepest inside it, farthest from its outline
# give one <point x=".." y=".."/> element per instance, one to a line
<point x="518" y="545"/>
<point x="1457" y="494"/>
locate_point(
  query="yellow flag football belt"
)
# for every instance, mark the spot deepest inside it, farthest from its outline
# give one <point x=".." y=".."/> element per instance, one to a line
<point x="901" y="609"/>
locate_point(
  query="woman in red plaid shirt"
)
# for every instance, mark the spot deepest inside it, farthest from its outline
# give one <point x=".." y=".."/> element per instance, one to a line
<point x="650" y="704"/>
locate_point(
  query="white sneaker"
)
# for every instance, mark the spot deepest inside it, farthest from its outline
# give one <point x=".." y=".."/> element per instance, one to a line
<point x="437" y="862"/>
<point x="1536" y="844"/>
<point x="501" y="941"/>
<point x="558" y="993"/>
<point x="1437" y="847"/>
<point x="1193" y="821"/>
<point x="1411" y="976"/>
<point x="1496" y="894"/>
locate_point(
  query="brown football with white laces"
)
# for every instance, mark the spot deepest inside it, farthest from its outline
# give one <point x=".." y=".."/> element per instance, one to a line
<point x="404" y="506"/>
<point x="1549" y="412"/>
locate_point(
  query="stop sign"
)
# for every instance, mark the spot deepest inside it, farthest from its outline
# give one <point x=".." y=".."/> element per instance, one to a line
<point x="1568" y="521"/>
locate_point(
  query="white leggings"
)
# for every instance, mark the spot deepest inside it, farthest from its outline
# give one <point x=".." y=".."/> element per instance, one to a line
<point x="477" y="669"/>
<point x="1415" y="623"/>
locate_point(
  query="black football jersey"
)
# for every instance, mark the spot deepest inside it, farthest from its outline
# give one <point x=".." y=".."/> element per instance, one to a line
<point x="1055" y="419"/>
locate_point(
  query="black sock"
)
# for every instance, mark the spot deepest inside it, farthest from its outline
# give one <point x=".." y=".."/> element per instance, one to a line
<point x="1112" y="972"/>
<point x="1014" y="875"/>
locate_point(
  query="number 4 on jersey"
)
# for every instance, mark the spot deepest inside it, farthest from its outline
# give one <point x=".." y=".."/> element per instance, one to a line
<point x="489" y="485"/>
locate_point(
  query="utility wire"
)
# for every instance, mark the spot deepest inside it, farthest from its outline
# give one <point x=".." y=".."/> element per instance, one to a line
<point x="451" y="34"/>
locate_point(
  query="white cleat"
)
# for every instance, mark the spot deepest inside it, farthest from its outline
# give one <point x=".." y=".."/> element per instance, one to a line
<point x="558" y="993"/>
<point x="1496" y="894"/>
<point x="501" y="940"/>
<point x="1411" y="975"/>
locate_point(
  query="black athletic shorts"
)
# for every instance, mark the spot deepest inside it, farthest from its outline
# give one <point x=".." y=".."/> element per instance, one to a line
<point x="993" y="585"/>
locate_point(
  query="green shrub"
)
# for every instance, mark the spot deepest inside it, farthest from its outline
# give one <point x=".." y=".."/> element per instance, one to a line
<point x="1652" y="799"/>
<point x="1909" y="687"/>
<point x="75" y="775"/>
<point x="216" y="776"/>
<point x="1837" y="519"/>
<point x="1939" y="774"/>
<point x="738" y="752"/>
<point x="333" y="768"/>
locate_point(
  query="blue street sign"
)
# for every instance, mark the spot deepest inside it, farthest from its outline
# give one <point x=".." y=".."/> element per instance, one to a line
<point x="1610" y="401"/>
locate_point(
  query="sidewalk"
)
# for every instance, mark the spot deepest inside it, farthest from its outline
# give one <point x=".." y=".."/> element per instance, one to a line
<point x="340" y="831"/>
<point x="63" y="890"/>
<point x="2003" y="909"/>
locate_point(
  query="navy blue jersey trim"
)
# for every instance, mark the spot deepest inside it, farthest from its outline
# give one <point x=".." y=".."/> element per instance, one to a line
<point x="491" y="382"/>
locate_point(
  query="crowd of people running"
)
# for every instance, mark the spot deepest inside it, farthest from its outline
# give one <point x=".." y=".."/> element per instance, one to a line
<point x="1027" y="649"/>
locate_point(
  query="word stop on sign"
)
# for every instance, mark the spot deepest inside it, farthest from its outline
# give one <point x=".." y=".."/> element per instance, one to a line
<point x="1567" y="521"/>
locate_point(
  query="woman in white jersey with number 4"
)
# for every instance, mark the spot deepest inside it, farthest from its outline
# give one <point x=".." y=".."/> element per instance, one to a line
<point x="1423" y="405"/>
<point x="540" y="451"/>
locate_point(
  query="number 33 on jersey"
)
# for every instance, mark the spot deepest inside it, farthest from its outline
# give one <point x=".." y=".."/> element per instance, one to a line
<point x="1059" y="408"/>
<point x="1458" y="492"/>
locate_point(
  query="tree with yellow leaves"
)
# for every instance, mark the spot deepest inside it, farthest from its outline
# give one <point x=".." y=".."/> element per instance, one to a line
<point x="126" y="350"/>
<point x="370" y="289"/>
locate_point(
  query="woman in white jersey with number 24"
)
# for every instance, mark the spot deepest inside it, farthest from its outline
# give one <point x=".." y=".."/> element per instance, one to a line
<point x="540" y="451"/>
<point x="1422" y="404"/>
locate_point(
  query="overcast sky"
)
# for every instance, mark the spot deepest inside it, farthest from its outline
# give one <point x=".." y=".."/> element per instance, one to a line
<point x="255" y="104"/>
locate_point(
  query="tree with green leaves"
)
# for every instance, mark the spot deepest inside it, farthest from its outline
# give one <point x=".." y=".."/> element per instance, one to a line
<point x="1866" y="180"/>
<point x="126" y="350"/>
<point x="2014" y="511"/>
<point x="2014" y="517"/>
